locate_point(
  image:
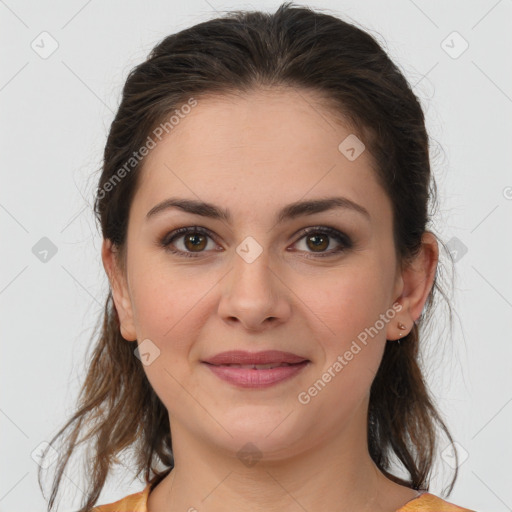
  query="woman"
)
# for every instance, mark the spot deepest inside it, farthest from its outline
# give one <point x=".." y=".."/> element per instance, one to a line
<point x="264" y="204"/>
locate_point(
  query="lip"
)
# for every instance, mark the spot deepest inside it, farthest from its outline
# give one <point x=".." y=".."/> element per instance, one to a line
<point x="254" y="378"/>
<point x="264" y="357"/>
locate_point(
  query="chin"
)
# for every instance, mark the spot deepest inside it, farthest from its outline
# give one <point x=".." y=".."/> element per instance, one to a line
<point x="260" y="436"/>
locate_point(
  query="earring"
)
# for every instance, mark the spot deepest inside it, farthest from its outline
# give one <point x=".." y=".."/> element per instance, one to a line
<point x="402" y="327"/>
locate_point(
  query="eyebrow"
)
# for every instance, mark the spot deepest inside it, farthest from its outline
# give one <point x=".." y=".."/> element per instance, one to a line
<point x="288" y="212"/>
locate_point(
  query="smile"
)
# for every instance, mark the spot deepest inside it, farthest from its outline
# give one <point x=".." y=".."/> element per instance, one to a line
<point x="256" y="375"/>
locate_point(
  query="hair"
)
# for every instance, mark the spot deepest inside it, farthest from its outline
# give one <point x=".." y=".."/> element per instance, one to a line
<point x="240" y="52"/>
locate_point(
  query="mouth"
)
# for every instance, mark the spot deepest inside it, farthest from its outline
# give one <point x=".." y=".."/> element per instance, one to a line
<point x="259" y="360"/>
<point x="258" y="366"/>
<point x="257" y="375"/>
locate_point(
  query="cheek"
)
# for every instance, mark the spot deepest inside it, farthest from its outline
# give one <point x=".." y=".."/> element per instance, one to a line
<point x="170" y="304"/>
<point x="348" y="302"/>
<point x="347" y="309"/>
<point x="166" y="310"/>
<point x="345" y="313"/>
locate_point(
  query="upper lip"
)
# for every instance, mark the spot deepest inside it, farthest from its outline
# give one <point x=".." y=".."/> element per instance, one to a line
<point x="264" y="357"/>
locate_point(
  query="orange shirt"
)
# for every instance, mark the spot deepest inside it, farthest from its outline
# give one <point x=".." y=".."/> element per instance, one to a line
<point x="424" y="502"/>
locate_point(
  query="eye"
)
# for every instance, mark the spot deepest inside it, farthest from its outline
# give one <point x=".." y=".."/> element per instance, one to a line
<point x="318" y="237"/>
<point x="195" y="241"/>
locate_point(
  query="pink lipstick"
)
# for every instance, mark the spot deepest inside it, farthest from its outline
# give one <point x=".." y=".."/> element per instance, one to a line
<point x="256" y="369"/>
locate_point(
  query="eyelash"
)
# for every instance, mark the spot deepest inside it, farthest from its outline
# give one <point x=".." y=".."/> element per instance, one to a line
<point x="340" y="237"/>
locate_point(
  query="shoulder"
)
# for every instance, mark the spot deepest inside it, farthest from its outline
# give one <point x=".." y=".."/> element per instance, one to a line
<point x="428" y="502"/>
<point x="133" y="503"/>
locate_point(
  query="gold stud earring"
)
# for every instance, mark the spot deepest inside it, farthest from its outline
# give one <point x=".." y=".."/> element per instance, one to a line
<point x="402" y="327"/>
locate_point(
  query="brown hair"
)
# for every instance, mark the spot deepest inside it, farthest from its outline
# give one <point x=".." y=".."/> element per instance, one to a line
<point x="236" y="53"/>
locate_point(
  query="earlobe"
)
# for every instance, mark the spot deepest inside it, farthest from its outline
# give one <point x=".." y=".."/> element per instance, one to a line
<point x="120" y="291"/>
<point x="417" y="280"/>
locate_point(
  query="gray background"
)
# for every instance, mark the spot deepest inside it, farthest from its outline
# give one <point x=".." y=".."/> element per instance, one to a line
<point x="56" y="112"/>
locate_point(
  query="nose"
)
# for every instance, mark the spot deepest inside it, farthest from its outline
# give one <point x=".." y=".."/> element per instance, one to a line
<point x="254" y="295"/>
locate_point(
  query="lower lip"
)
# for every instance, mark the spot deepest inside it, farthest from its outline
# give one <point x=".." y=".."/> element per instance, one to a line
<point x="251" y="378"/>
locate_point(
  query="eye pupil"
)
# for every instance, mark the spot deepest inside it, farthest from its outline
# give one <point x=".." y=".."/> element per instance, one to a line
<point x="314" y="239"/>
<point x="193" y="239"/>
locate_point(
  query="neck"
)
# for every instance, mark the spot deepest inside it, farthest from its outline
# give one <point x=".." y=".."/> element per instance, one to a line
<point x="335" y="474"/>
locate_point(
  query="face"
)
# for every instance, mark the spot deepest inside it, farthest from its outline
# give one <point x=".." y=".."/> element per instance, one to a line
<point x="311" y="284"/>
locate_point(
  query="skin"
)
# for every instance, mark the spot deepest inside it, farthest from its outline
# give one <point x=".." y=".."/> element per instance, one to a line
<point x="254" y="154"/>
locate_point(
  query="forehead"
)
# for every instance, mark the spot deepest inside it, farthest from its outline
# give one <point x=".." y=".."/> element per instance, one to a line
<point x="268" y="147"/>
<point x="266" y="123"/>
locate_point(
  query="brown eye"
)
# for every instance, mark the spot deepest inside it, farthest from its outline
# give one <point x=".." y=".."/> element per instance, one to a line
<point x="195" y="240"/>
<point x="318" y="242"/>
<point x="318" y="239"/>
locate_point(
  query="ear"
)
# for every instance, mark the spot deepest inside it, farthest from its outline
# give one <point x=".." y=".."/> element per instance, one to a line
<point x="413" y="286"/>
<point x="120" y="292"/>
